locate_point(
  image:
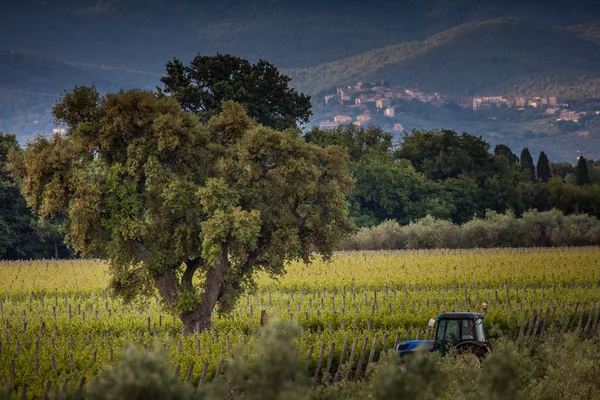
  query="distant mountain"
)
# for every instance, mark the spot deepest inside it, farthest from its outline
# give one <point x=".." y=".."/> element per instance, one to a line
<point x="438" y="45"/>
<point x="144" y="34"/>
<point x="29" y="86"/>
<point x="500" y="56"/>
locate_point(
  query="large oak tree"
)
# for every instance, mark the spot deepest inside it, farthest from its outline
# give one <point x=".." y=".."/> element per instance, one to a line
<point x="260" y="88"/>
<point x="189" y="209"/>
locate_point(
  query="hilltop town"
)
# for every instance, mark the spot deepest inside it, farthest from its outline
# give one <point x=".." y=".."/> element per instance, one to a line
<point x="364" y="101"/>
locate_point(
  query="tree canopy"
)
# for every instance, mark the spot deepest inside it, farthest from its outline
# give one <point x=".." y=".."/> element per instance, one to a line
<point x="202" y="86"/>
<point x="21" y="234"/>
<point x="581" y="172"/>
<point x="527" y="165"/>
<point x="192" y="210"/>
<point x="543" y="168"/>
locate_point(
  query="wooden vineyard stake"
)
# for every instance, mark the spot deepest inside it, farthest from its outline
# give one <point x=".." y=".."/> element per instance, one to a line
<point x="308" y="357"/>
<point x="545" y="320"/>
<point x="523" y="323"/>
<point x="371" y="355"/>
<point x="47" y="390"/>
<point x="188" y="376"/>
<point x="361" y="358"/>
<point x="581" y="316"/>
<point x="329" y="360"/>
<point x="340" y="362"/>
<point x="595" y="326"/>
<point x="80" y="386"/>
<point x="203" y="376"/>
<point x="264" y="317"/>
<point x="530" y="325"/>
<point x="219" y="366"/>
<point x="589" y="320"/>
<point x="385" y="338"/>
<point x="319" y="361"/>
<point x="351" y="360"/>
<point x="65" y="385"/>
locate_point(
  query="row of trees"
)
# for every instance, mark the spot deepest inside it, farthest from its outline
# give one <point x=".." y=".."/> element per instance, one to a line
<point x="454" y="177"/>
<point x="533" y="229"/>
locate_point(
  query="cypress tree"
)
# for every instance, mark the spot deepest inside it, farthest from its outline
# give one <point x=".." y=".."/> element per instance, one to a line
<point x="543" y="168"/>
<point x="582" y="175"/>
<point x="527" y="166"/>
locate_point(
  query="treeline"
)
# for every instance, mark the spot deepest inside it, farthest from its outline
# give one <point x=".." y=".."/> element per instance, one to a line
<point x="534" y="229"/>
<point x="454" y="177"/>
<point x="23" y="234"/>
<point x="565" y="366"/>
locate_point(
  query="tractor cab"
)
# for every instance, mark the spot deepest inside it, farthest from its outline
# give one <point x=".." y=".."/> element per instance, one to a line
<point x="462" y="331"/>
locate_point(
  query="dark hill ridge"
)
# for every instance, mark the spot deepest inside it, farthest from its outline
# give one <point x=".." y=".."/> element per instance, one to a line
<point x="501" y="56"/>
<point x="29" y="86"/>
<point x="29" y="72"/>
<point x="142" y="35"/>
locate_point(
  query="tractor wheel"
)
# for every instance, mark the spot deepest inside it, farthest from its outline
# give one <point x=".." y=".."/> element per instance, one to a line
<point x="471" y="354"/>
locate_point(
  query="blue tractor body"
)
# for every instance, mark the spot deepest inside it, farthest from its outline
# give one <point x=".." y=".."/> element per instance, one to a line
<point x="463" y="331"/>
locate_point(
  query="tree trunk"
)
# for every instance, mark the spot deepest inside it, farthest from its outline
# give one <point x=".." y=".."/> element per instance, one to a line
<point x="168" y="286"/>
<point x="199" y="318"/>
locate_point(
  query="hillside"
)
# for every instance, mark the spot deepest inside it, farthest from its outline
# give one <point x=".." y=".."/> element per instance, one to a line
<point x="500" y="56"/>
<point x="143" y="35"/>
<point x="29" y="86"/>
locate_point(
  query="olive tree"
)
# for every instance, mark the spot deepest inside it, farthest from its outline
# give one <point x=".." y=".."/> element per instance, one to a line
<point x="188" y="209"/>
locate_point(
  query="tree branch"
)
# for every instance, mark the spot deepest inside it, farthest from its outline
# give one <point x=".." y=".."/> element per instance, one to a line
<point x="139" y="250"/>
<point x="191" y="266"/>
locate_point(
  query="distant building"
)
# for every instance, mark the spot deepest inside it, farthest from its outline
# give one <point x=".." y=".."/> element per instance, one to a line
<point x="59" y="131"/>
<point x="342" y="119"/>
<point x="389" y="112"/>
<point x="328" y="125"/>
<point x="328" y="98"/>
<point x="398" y="127"/>
<point x="358" y="86"/>
<point x="568" y="116"/>
<point x="520" y="101"/>
<point x="381" y="103"/>
<point x="551" y="111"/>
<point x="477" y="102"/>
<point x="464" y="102"/>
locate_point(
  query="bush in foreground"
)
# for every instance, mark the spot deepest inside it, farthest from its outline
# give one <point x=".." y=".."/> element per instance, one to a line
<point x="560" y="366"/>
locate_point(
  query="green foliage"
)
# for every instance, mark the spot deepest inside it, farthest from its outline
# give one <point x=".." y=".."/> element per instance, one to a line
<point x="22" y="235"/>
<point x="419" y="378"/>
<point x="360" y="141"/>
<point x="527" y="166"/>
<point x="208" y="81"/>
<point x="169" y="200"/>
<point x="271" y="372"/>
<point x="138" y="377"/>
<point x="543" y="168"/>
<point x="534" y="229"/>
<point x="504" y="150"/>
<point x="558" y="366"/>
<point x="444" y="154"/>
<point x="581" y="172"/>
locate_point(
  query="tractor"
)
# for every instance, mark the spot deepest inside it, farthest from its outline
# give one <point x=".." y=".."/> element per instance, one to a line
<point x="457" y="332"/>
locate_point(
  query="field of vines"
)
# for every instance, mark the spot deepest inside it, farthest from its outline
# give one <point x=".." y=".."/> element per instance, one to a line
<point x="60" y="323"/>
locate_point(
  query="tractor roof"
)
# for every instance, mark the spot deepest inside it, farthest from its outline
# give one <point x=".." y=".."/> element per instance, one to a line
<point x="460" y="315"/>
